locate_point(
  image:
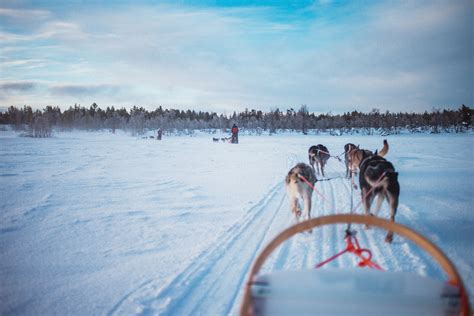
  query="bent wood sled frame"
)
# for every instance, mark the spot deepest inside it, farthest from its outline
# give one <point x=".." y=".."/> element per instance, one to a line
<point x="448" y="267"/>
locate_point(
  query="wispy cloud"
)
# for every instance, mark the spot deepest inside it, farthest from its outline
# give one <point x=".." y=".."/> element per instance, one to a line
<point x="24" y="13"/>
<point x="61" y="30"/>
<point x="58" y="30"/>
<point x="17" y="86"/>
<point x="84" y="90"/>
<point x="24" y="63"/>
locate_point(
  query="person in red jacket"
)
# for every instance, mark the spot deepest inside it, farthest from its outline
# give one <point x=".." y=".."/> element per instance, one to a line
<point x="235" y="134"/>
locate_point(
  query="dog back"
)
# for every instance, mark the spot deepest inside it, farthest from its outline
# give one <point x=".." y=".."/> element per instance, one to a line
<point x="323" y="152"/>
<point x="356" y="156"/>
<point x="373" y="168"/>
<point x="301" y="169"/>
<point x="348" y="147"/>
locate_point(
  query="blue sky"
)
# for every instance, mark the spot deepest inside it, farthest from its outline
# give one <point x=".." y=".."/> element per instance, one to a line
<point x="230" y="55"/>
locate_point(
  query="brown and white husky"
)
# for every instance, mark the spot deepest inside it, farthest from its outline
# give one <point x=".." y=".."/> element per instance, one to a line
<point x="297" y="189"/>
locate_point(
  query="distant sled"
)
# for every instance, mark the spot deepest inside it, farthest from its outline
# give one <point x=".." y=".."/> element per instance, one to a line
<point x="353" y="291"/>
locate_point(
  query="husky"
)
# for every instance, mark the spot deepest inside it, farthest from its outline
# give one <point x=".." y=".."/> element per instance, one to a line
<point x="378" y="176"/>
<point x="318" y="155"/>
<point x="348" y="148"/>
<point x="297" y="188"/>
<point x="356" y="155"/>
<point x="215" y="139"/>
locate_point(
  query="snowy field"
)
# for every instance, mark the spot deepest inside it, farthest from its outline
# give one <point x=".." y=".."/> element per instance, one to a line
<point x="104" y="224"/>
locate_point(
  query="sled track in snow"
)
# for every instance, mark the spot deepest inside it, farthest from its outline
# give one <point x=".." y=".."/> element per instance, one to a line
<point x="199" y="288"/>
<point x="222" y="266"/>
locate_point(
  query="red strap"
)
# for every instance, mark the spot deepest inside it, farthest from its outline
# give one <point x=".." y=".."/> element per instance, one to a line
<point x="352" y="245"/>
<point x="311" y="186"/>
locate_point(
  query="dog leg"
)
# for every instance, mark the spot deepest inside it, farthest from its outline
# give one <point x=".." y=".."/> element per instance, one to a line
<point x="311" y="162"/>
<point x="393" y="201"/>
<point x="380" y="198"/>
<point x="307" y="207"/>
<point x="295" y="208"/>
<point x="353" y="182"/>
<point x="367" y="201"/>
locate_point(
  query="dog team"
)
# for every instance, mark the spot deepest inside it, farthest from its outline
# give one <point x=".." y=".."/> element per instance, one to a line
<point x="377" y="179"/>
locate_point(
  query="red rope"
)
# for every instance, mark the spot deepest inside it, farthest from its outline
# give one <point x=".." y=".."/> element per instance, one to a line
<point x="311" y="186"/>
<point x="353" y="246"/>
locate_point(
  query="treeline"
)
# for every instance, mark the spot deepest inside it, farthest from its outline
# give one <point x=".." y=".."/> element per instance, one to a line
<point x="138" y="120"/>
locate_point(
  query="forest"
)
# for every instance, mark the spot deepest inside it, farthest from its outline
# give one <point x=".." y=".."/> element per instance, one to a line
<point x="138" y="120"/>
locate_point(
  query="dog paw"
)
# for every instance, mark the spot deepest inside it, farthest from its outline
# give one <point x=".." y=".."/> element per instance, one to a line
<point x="298" y="213"/>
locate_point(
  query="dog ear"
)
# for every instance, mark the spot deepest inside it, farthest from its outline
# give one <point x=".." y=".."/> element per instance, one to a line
<point x="376" y="152"/>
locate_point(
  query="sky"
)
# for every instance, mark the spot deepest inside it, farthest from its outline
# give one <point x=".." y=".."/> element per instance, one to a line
<point x="225" y="56"/>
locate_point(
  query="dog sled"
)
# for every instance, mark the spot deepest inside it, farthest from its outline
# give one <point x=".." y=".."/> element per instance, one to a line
<point x="355" y="291"/>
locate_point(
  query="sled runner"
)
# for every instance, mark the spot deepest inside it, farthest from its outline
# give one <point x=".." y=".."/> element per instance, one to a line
<point x="356" y="291"/>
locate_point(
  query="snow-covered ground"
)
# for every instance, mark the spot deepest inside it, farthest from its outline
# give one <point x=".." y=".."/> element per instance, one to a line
<point x="100" y="223"/>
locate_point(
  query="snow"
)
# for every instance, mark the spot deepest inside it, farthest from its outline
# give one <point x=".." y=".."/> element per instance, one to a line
<point x="101" y="223"/>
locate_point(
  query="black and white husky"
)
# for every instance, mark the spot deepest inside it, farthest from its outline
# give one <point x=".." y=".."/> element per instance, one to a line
<point x="318" y="155"/>
<point x="297" y="189"/>
<point x="378" y="176"/>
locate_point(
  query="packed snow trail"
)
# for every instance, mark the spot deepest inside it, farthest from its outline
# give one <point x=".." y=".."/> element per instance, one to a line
<point x="221" y="267"/>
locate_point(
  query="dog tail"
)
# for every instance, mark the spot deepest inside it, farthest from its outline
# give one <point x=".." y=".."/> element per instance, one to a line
<point x="384" y="150"/>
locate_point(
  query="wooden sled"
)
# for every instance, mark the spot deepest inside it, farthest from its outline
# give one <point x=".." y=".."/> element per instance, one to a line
<point x="353" y="291"/>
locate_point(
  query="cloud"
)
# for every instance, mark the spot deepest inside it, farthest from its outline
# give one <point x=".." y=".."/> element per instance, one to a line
<point x="55" y="30"/>
<point x="12" y="37"/>
<point x="81" y="90"/>
<point x="17" y="86"/>
<point x="62" y="30"/>
<point x="24" y="13"/>
<point x="24" y="63"/>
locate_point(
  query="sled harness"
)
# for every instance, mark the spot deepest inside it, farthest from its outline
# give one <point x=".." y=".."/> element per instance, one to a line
<point x="353" y="246"/>
<point x="352" y="243"/>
